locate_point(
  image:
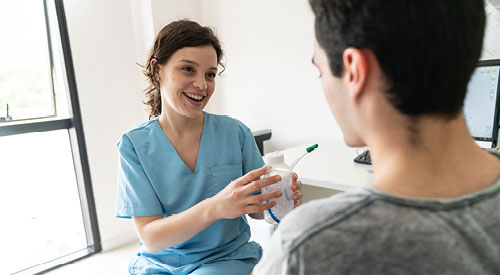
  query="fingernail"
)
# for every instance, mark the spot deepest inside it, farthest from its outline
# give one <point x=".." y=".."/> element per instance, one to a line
<point x="280" y="193"/>
<point x="278" y="178"/>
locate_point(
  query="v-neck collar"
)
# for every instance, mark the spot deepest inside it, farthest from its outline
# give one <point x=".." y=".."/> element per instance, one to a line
<point x="171" y="146"/>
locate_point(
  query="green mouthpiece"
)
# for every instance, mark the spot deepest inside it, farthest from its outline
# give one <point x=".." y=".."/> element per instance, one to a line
<point x="310" y="149"/>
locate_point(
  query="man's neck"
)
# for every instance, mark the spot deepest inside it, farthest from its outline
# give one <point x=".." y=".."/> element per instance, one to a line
<point x="441" y="162"/>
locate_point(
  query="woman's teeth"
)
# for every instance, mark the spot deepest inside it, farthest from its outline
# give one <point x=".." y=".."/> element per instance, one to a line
<point x="195" y="97"/>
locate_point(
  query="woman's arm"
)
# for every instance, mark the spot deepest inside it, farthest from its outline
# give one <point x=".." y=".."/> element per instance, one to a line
<point x="157" y="233"/>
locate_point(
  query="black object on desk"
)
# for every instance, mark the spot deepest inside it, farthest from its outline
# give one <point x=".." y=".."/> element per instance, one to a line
<point x="260" y="137"/>
<point x="363" y="158"/>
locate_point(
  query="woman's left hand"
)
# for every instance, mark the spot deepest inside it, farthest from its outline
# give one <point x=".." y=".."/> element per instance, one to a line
<point x="297" y="194"/>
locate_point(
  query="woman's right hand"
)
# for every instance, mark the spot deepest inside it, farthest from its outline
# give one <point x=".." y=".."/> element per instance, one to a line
<point x="236" y="198"/>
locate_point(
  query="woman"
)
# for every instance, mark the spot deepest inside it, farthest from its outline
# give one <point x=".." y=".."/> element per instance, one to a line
<point x="180" y="174"/>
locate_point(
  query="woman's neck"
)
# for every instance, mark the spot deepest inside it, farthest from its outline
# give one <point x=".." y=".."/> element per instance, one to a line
<point x="174" y="123"/>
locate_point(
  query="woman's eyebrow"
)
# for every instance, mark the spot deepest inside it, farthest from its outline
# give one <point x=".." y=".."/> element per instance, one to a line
<point x="189" y="61"/>
<point x="196" y="64"/>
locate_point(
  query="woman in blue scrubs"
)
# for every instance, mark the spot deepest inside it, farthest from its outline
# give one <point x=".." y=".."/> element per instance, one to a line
<point x="186" y="177"/>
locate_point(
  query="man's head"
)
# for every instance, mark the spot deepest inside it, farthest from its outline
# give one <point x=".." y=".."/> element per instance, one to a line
<point x="426" y="49"/>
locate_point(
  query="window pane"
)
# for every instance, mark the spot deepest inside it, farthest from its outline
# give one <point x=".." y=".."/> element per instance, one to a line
<point x="25" y="78"/>
<point x="39" y="201"/>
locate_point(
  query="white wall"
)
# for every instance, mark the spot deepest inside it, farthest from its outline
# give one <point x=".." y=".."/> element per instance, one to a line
<point x="166" y="11"/>
<point x="270" y="82"/>
<point x="144" y="32"/>
<point x="104" y="54"/>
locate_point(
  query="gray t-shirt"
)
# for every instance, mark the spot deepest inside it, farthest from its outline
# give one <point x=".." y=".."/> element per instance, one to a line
<point x="366" y="231"/>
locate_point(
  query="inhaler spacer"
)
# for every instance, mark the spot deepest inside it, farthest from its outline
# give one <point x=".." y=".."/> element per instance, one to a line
<point x="284" y="203"/>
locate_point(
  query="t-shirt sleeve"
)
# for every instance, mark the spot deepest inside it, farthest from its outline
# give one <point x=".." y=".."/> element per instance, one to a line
<point x="135" y="194"/>
<point x="252" y="158"/>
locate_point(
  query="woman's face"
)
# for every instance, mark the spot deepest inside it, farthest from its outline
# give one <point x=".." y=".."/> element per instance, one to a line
<point x="187" y="80"/>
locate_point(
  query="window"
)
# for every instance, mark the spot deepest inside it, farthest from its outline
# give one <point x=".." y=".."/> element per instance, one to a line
<point x="46" y="197"/>
<point x="25" y="70"/>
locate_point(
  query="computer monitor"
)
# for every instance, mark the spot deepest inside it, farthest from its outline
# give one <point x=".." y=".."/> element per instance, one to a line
<point x="482" y="103"/>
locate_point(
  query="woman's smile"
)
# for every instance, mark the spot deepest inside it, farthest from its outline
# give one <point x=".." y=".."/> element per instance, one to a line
<point x="193" y="98"/>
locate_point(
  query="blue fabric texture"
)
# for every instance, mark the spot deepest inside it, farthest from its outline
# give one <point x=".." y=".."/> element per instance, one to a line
<point x="154" y="181"/>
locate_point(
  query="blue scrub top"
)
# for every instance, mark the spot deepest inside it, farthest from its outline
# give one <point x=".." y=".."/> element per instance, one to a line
<point x="154" y="181"/>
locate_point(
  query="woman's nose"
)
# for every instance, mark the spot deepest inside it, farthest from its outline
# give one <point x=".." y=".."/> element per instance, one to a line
<point x="200" y="82"/>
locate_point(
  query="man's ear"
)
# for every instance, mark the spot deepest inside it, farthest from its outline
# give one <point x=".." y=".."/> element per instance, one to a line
<point x="356" y="71"/>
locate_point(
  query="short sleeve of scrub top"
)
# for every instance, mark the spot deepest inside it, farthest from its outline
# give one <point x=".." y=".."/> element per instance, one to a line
<point x="136" y="194"/>
<point x="154" y="181"/>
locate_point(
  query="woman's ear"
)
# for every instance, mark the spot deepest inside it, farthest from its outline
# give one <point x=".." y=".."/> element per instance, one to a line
<point x="155" y="68"/>
<point x="356" y="71"/>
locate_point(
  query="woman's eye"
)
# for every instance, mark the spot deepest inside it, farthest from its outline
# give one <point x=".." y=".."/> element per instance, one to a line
<point x="211" y="75"/>
<point x="187" y="69"/>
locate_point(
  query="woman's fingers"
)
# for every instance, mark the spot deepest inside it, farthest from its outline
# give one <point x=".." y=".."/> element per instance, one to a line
<point x="259" y="184"/>
<point x="264" y="197"/>
<point x="256" y="208"/>
<point x="253" y="175"/>
<point x="240" y="192"/>
<point x="296" y="185"/>
<point x="297" y="195"/>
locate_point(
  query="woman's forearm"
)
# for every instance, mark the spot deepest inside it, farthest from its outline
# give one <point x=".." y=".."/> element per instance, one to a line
<point x="157" y="233"/>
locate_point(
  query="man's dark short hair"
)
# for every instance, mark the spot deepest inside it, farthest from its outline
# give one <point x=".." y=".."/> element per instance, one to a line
<point x="427" y="49"/>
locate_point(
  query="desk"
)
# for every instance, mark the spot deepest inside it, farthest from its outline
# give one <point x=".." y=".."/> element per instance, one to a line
<point x="330" y="166"/>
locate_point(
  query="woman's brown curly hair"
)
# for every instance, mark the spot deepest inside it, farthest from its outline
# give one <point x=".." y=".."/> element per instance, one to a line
<point x="174" y="36"/>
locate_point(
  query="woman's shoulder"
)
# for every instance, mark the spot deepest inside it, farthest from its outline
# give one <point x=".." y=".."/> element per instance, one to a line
<point x="139" y="133"/>
<point x="226" y="122"/>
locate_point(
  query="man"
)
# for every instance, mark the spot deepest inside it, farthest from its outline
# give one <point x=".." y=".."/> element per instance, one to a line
<point x="395" y="73"/>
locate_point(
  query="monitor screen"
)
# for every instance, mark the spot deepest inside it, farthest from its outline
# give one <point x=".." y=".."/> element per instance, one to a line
<point x="481" y="103"/>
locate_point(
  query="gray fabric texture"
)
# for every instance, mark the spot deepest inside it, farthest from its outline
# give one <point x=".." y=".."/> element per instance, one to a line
<point x="366" y="231"/>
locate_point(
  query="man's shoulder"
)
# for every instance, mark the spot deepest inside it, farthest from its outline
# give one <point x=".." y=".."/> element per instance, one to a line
<point x="314" y="216"/>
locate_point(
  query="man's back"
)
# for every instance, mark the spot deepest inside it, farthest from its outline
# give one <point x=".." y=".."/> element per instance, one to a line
<point x="369" y="232"/>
